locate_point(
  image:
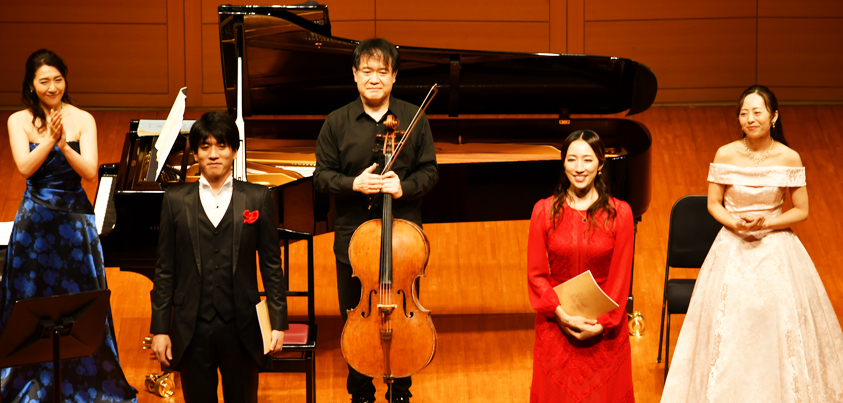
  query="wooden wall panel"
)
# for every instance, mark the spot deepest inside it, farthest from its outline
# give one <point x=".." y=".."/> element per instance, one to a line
<point x="798" y="94"/>
<point x="97" y="58"/>
<point x="801" y="8"/>
<point x="102" y="69"/>
<point x="465" y="10"/>
<point x="355" y="30"/>
<point x="576" y="30"/>
<point x="137" y="54"/>
<point x="338" y="10"/>
<point x="351" y="10"/>
<point x="501" y="36"/>
<point x="800" y="52"/>
<point x="194" y="61"/>
<point x="711" y="53"/>
<point x="558" y="26"/>
<point x="697" y="95"/>
<point x="211" y="61"/>
<point x="85" y="11"/>
<point x="624" y="10"/>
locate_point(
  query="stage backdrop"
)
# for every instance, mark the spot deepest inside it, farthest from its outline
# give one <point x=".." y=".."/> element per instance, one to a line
<point x="138" y="54"/>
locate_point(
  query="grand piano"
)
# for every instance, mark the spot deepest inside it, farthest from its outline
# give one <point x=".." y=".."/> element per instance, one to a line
<point x="498" y="123"/>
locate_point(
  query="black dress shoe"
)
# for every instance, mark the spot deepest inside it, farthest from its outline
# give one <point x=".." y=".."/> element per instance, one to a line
<point x="362" y="399"/>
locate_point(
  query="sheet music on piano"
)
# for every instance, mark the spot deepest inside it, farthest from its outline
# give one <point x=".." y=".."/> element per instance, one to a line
<point x="169" y="134"/>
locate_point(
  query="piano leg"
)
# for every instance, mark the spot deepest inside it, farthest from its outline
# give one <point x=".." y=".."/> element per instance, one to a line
<point x="629" y="301"/>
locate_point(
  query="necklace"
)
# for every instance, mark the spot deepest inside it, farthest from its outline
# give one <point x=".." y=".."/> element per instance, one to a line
<point x="757" y="159"/>
<point x="574" y="200"/>
<point x="581" y="214"/>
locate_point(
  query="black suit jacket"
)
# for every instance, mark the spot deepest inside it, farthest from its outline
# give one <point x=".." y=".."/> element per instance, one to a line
<point x="176" y="286"/>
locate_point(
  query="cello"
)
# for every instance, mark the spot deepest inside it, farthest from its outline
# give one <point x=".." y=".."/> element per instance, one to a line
<point x="389" y="334"/>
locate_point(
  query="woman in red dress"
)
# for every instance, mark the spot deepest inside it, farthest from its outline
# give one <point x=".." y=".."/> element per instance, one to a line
<point x="581" y="227"/>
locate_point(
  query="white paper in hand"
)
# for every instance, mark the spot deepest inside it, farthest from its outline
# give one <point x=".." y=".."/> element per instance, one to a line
<point x="581" y="296"/>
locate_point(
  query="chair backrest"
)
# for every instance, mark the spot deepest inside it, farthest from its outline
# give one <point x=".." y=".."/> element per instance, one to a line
<point x="287" y="237"/>
<point x="692" y="231"/>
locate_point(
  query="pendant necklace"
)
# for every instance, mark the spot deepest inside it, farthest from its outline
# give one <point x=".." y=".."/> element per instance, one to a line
<point x="581" y="215"/>
<point x="573" y="199"/>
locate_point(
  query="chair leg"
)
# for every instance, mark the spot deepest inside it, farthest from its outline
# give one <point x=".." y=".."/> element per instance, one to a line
<point x="661" y="331"/>
<point x="667" y="348"/>
<point x="309" y="381"/>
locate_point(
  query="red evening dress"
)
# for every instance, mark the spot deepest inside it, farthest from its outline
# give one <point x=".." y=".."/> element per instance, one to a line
<point x="598" y="369"/>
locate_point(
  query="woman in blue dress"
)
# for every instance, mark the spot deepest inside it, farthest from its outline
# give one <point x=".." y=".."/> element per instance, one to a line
<point x="54" y="248"/>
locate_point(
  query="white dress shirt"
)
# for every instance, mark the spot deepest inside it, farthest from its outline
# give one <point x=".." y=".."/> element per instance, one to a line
<point x="215" y="205"/>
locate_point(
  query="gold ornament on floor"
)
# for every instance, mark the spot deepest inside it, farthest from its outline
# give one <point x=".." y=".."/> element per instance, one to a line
<point x="636" y="324"/>
<point x="162" y="385"/>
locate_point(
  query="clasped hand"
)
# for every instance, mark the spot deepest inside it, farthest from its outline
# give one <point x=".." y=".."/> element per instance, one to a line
<point x="578" y="327"/>
<point x="370" y="183"/>
<point x="56" y="127"/>
<point x="745" y="223"/>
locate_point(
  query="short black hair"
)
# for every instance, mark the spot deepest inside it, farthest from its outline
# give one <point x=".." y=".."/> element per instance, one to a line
<point x="378" y="48"/>
<point x="217" y="125"/>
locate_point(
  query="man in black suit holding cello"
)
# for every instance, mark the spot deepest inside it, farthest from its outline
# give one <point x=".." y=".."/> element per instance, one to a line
<point x="346" y="164"/>
<point x="206" y="273"/>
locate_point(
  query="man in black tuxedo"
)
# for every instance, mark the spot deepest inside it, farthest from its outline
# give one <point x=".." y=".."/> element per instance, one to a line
<point x="205" y="287"/>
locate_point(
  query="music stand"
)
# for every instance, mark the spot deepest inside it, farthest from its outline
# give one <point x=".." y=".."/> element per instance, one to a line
<point x="54" y="329"/>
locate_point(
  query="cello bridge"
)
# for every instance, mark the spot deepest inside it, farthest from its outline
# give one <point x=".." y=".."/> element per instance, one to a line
<point x="386" y="309"/>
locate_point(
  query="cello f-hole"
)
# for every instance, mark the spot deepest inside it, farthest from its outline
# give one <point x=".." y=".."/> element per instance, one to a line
<point x="404" y="304"/>
<point x="365" y="314"/>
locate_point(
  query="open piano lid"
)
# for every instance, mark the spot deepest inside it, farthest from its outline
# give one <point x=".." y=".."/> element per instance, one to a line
<point x="293" y="66"/>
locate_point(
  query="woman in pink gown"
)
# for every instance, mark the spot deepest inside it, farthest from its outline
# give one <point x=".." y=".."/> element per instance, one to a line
<point x="581" y="227"/>
<point x="760" y="326"/>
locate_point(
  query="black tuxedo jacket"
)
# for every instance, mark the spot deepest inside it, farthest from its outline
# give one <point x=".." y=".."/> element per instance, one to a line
<point x="176" y="286"/>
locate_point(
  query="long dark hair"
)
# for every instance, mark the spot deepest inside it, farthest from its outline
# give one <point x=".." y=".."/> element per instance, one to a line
<point x="777" y="132"/>
<point x="30" y="99"/>
<point x="601" y="186"/>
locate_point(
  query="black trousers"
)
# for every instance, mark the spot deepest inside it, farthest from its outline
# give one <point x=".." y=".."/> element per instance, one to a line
<point x="348" y="290"/>
<point x="216" y="344"/>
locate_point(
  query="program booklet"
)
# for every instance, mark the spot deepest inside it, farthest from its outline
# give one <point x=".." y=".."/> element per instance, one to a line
<point x="297" y="333"/>
<point x="266" y="326"/>
<point x="581" y="296"/>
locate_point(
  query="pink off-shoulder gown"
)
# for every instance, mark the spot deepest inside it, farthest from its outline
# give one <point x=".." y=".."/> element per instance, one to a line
<point x="760" y="326"/>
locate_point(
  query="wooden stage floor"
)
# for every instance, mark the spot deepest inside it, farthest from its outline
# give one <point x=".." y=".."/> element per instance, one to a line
<point x="476" y="279"/>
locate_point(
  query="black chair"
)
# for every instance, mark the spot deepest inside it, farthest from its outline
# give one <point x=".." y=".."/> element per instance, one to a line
<point x="299" y="356"/>
<point x="692" y="231"/>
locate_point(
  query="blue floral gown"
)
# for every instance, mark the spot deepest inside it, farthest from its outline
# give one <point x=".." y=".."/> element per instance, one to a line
<point x="54" y="249"/>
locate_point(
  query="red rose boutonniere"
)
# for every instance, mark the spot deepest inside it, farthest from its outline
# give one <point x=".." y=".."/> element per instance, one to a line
<point x="250" y="216"/>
